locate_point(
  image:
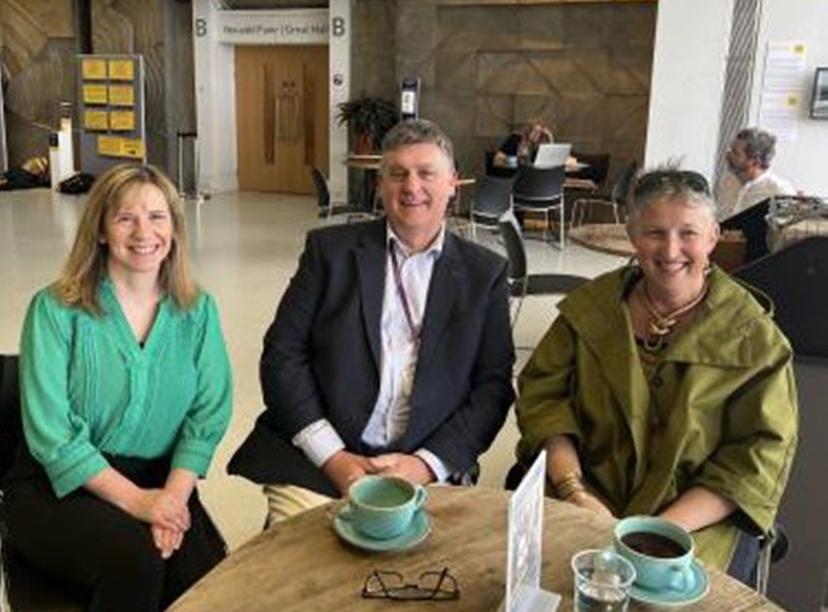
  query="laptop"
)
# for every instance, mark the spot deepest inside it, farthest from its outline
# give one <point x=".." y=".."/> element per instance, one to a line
<point x="551" y="155"/>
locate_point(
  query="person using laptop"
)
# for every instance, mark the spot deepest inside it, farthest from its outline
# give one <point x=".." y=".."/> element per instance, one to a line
<point x="521" y="148"/>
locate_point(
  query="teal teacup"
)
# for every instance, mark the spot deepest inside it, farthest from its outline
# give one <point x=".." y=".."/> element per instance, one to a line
<point x="382" y="507"/>
<point x="661" y="553"/>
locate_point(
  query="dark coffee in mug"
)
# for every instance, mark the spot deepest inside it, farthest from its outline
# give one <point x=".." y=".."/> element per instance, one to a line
<point x="653" y="544"/>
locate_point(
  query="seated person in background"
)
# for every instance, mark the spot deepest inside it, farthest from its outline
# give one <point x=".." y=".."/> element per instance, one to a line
<point x="522" y="148"/>
<point x="664" y="387"/>
<point x="391" y="351"/>
<point x="749" y="180"/>
<point x="126" y="391"/>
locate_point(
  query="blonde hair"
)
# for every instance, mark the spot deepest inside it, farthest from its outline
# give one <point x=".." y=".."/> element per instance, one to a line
<point x="86" y="265"/>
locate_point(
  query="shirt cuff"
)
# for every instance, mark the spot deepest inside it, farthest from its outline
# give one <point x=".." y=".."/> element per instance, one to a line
<point x="319" y="441"/>
<point x="440" y="469"/>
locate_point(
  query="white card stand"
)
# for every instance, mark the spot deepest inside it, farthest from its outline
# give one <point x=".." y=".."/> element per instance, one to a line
<point x="523" y="566"/>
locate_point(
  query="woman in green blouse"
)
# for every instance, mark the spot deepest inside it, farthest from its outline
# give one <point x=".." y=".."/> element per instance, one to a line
<point x="126" y="392"/>
<point x="665" y="387"/>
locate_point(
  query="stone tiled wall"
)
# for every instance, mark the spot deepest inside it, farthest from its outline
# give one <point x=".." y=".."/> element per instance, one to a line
<point x="373" y="48"/>
<point x="37" y="56"/>
<point x="160" y="31"/>
<point x="584" y="69"/>
<point x="38" y="47"/>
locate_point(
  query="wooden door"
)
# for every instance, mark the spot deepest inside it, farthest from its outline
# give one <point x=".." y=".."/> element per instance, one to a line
<point x="281" y="116"/>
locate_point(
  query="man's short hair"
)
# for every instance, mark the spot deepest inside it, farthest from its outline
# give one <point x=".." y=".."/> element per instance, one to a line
<point x="418" y="131"/>
<point x="759" y="145"/>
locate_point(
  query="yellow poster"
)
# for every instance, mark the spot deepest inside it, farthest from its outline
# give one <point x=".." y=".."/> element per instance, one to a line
<point x="121" y="70"/>
<point x="121" y="95"/>
<point x="95" y="120"/>
<point x="94" y="94"/>
<point x="93" y="69"/>
<point x="122" y="120"/>
<point x="115" y="146"/>
<point x="109" y="145"/>
<point x="132" y="147"/>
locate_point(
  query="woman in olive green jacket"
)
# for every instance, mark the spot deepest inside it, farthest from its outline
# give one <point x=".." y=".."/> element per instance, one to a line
<point x="665" y="388"/>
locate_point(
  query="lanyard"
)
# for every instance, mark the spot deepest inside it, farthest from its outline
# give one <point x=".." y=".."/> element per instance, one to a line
<point x="414" y="329"/>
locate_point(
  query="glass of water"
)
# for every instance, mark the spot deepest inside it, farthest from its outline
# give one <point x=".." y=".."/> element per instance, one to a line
<point x="603" y="580"/>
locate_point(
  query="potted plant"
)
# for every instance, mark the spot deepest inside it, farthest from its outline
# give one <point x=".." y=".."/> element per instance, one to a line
<point x="369" y="119"/>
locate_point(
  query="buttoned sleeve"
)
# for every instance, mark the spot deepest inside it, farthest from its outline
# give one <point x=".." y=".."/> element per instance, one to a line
<point x="57" y="437"/>
<point x="544" y="407"/>
<point x="208" y="417"/>
<point x="751" y="465"/>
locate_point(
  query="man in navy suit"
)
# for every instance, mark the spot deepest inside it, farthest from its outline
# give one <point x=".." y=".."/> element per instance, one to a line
<point x="391" y="351"/>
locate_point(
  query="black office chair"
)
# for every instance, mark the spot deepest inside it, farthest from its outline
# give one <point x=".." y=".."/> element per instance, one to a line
<point x="540" y="190"/>
<point x="325" y="210"/>
<point x="616" y="200"/>
<point x="496" y="171"/>
<point x="595" y="170"/>
<point x="753" y="224"/>
<point x="521" y="283"/>
<point x="27" y="588"/>
<point x="492" y="199"/>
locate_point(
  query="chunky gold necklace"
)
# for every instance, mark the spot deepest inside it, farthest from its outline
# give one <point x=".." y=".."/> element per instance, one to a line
<point x="660" y="325"/>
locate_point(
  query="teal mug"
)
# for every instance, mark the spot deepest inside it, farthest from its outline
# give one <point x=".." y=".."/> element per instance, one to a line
<point x="382" y="507"/>
<point x="660" y="551"/>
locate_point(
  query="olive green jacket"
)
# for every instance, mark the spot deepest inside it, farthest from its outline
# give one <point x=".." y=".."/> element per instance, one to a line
<point x="723" y="392"/>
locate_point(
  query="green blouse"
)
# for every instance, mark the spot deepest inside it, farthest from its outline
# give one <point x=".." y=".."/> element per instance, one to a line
<point x="88" y="387"/>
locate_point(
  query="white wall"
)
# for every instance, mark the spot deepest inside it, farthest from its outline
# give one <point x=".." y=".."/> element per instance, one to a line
<point x="215" y="102"/>
<point x="688" y="79"/>
<point x="339" y="79"/>
<point x="805" y="160"/>
<point x="216" y="32"/>
<point x="690" y="50"/>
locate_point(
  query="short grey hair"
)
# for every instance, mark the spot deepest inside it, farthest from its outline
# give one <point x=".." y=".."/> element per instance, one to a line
<point x="759" y="145"/>
<point x="671" y="183"/>
<point x="418" y="131"/>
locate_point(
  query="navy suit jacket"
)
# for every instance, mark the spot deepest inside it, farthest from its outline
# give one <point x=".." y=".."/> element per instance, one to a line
<point x="322" y="356"/>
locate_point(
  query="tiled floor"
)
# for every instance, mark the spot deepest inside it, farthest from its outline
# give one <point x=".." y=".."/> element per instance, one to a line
<point x="245" y="248"/>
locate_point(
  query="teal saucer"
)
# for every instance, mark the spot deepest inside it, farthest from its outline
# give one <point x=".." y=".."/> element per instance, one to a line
<point x="674" y="599"/>
<point x="417" y="531"/>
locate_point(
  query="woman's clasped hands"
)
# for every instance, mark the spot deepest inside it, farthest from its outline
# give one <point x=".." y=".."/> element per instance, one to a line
<point x="168" y="516"/>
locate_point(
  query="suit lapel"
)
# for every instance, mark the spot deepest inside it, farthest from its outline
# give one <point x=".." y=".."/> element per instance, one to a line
<point x="442" y="293"/>
<point x="370" y="260"/>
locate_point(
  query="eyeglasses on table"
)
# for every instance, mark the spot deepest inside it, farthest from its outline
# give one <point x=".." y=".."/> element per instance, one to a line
<point x="430" y="586"/>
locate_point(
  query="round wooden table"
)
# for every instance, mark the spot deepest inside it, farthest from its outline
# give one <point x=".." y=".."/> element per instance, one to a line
<point x="301" y="564"/>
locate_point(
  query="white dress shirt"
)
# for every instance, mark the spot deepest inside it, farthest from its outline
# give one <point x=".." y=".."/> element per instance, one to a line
<point x="400" y="346"/>
<point x="764" y="186"/>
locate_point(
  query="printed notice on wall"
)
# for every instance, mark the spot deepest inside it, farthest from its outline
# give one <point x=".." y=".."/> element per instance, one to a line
<point x="121" y="69"/>
<point x="121" y="95"/>
<point x="94" y="94"/>
<point x="93" y="69"/>
<point x="114" y="146"/>
<point x="783" y="89"/>
<point x="94" y="119"/>
<point x="122" y="120"/>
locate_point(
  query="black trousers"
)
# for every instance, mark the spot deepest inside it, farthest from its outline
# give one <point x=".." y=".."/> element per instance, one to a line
<point x="87" y="542"/>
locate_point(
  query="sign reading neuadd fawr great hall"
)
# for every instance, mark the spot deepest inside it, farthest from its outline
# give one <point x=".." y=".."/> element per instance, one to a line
<point x="287" y="27"/>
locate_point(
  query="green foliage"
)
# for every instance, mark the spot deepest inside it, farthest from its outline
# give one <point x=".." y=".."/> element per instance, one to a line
<point x="374" y="116"/>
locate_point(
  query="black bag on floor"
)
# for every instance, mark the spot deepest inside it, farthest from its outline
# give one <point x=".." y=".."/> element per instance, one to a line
<point x="76" y="184"/>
